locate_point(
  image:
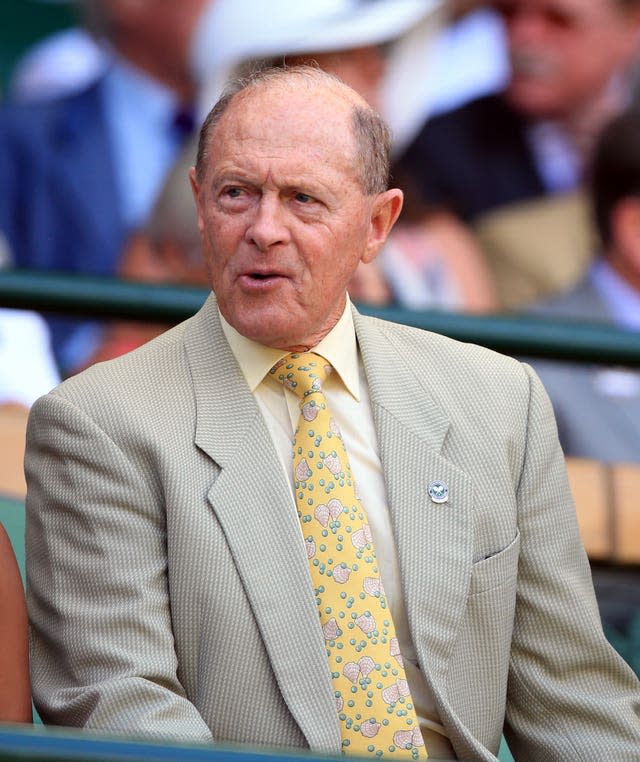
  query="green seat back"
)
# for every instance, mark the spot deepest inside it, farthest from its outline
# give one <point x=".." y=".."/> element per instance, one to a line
<point x="12" y="518"/>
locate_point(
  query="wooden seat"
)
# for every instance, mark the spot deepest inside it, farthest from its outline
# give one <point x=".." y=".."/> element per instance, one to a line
<point x="13" y="425"/>
<point x="606" y="497"/>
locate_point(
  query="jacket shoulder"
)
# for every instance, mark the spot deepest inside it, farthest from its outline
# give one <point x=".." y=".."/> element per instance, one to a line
<point x="131" y="379"/>
<point x="442" y="354"/>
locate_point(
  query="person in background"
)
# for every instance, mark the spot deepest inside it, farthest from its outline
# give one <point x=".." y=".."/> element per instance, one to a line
<point x="407" y="578"/>
<point x="537" y="135"/>
<point x="598" y="407"/>
<point x="15" y="687"/>
<point x="81" y="171"/>
<point x="506" y="152"/>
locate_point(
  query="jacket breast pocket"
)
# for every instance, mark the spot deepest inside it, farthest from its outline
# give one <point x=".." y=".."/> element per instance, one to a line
<point x="497" y="570"/>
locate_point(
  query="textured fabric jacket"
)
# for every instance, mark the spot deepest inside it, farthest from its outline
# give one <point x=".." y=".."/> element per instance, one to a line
<point x="169" y="589"/>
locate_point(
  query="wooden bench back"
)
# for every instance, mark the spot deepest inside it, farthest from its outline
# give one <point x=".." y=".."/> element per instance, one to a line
<point x="607" y="497"/>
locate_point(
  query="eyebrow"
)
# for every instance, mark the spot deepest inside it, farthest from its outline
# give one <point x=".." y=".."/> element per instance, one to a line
<point x="290" y="185"/>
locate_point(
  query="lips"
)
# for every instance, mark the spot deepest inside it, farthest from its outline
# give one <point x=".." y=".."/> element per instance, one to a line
<point x="525" y="63"/>
<point x="259" y="280"/>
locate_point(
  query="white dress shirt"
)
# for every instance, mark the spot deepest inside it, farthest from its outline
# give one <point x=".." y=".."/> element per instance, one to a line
<point x="347" y="393"/>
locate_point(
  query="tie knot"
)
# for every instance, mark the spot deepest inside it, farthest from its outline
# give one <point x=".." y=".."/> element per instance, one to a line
<point x="302" y="372"/>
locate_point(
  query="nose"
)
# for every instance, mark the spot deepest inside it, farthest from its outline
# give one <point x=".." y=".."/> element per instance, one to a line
<point x="525" y="24"/>
<point x="268" y="225"/>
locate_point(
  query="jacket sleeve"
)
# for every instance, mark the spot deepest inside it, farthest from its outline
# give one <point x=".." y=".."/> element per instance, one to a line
<point x="570" y="696"/>
<point x="103" y="652"/>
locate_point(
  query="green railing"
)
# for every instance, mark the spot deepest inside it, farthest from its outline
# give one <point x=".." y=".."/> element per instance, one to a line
<point x="524" y="336"/>
<point x="20" y="742"/>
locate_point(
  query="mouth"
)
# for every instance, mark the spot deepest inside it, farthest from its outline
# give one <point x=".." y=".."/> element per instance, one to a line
<point x="260" y="280"/>
<point x="532" y="66"/>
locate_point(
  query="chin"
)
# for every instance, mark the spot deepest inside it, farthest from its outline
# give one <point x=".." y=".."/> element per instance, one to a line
<point x="533" y="101"/>
<point x="267" y="330"/>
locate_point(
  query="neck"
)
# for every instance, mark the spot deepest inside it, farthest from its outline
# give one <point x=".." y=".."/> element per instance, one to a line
<point x="585" y="123"/>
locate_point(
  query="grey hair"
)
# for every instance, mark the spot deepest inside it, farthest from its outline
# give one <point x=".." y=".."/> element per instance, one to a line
<point x="371" y="134"/>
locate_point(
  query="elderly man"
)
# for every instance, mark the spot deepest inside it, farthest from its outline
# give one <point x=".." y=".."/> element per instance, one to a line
<point x="413" y="573"/>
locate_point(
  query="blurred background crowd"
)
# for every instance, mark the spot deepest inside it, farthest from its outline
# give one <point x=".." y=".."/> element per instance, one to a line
<point x="515" y="125"/>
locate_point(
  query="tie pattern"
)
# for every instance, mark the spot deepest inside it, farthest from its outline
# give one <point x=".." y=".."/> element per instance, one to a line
<point x="373" y="700"/>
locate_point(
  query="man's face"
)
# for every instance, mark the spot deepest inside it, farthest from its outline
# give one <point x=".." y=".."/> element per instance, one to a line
<point x="563" y="52"/>
<point x="283" y="217"/>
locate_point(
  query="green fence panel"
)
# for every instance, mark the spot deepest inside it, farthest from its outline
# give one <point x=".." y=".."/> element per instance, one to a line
<point x="31" y="744"/>
<point x="524" y="336"/>
<point x="12" y="518"/>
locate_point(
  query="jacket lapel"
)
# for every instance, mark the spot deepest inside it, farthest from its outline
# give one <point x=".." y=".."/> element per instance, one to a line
<point x="252" y="500"/>
<point x="434" y="540"/>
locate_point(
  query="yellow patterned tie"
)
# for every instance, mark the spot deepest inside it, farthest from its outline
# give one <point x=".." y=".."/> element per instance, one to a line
<point x="372" y="695"/>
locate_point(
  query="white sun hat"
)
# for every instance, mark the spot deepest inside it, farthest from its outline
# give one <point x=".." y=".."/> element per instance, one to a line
<point x="232" y="33"/>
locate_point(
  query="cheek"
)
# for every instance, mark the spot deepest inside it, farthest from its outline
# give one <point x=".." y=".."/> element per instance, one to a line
<point x="335" y="265"/>
<point x="222" y="235"/>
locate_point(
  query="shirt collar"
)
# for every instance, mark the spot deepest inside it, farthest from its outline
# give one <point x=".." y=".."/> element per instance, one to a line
<point x="127" y="83"/>
<point x="339" y="347"/>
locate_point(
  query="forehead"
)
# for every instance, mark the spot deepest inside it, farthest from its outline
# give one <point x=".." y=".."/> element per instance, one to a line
<point x="569" y="13"/>
<point x="286" y="122"/>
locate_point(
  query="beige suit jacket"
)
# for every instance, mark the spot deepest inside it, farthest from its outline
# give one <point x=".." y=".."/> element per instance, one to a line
<point x="169" y="590"/>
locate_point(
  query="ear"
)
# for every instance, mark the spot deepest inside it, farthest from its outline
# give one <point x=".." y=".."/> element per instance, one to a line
<point x="196" y="190"/>
<point x="385" y="211"/>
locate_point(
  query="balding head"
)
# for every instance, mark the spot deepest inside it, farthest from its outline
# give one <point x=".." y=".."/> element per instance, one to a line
<point x="372" y="140"/>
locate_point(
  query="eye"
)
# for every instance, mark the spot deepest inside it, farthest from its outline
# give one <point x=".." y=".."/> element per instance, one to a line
<point x="235" y="198"/>
<point x="303" y="198"/>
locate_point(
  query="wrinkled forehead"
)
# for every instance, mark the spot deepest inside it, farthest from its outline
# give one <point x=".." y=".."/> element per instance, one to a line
<point x="290" y="114"/>
<point x="561" y="14"/>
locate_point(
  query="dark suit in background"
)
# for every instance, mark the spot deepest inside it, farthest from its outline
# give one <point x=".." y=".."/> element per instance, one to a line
<point x="60" y="208"/>
<point x="472" y="159"/>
